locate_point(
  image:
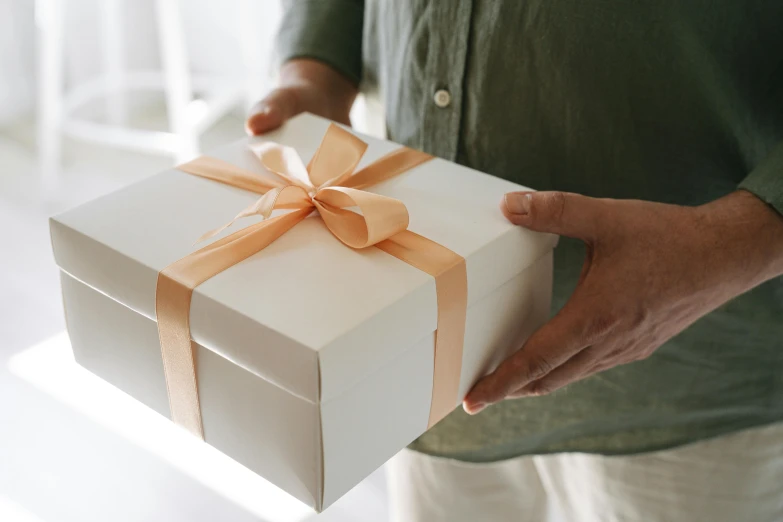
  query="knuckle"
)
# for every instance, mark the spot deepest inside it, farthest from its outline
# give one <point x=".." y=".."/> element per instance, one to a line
<point x="639" y="316"/>
<point x="601" y="325"/>
<point x="269" y="99"/>
<point x="593" y="356"/>
<point x="292" y="98"/>
<point x="539" y="388"/>
<point x="558" y="205"/>
<point x="533" y="366"/>
<point x="285" y="99"/>
<point x="644" y="354"/>
<point x="490" y="388"/>
<point x="548" y="205"/>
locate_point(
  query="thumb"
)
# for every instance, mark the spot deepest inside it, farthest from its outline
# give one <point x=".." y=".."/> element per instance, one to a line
<point x="562" y="213"/>
<point x="548" y="348"/>
<point x="271" y="112"/>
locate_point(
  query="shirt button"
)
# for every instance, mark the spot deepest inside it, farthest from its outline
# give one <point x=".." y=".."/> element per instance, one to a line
<point x="442" y="98"/>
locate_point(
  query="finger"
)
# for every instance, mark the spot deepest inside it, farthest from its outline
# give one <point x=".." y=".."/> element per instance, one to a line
<point x="601" y="364"/>
<point x="271" y="112"/>
<point x="577" y="367"/>
<point x="618" y="358"/>
<point x="549" y="347"/>
<point x="602" y="367"/>
<point x="561" y="213"/>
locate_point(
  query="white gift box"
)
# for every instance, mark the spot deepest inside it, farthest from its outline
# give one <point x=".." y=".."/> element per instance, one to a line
<point x="314" y="388"/>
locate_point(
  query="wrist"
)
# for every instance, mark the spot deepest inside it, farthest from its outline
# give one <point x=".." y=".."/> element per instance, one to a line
<point x="745" y="234"/>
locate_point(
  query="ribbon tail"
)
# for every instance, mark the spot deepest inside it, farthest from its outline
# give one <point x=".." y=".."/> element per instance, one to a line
<point x="173" y="296"/>
<point x="290" y="196"/>
<point x="451" y="287"/>
<point x="216" y="231"/>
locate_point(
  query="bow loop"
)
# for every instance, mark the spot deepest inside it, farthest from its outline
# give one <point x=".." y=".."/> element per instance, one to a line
<point x="283" y="161"/>
<point x="336" y="157"/>
<point x="381" y="216"/>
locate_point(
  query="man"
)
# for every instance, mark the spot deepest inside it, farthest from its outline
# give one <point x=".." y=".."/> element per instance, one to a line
<point x="667" y="350"/>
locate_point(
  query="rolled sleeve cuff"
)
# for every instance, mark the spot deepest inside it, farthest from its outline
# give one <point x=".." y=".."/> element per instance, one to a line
<point x="329" y="31"/>
<point x="766" y="180"/>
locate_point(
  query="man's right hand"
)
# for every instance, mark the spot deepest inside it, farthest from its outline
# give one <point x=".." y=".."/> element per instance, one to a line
<point x="305" y="86"/>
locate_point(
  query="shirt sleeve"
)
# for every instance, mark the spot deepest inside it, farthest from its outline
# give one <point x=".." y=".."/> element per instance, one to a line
<point x="766" y="180"/>
<point x="329" y="31"/>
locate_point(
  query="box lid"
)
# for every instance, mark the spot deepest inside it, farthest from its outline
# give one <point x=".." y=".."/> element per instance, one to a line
<point x="346" y="313"/>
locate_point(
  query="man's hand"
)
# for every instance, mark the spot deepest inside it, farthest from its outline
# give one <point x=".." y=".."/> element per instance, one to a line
<point x="650" y="271"/>
<point x="305" y="86"/>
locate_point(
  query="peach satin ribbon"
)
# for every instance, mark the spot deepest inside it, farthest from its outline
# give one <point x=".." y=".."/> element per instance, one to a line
<point x="330" y="186"/>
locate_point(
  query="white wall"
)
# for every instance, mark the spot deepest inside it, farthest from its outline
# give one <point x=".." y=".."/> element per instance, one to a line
<point x="211" y="28"/>
<point x="16" y="58"/>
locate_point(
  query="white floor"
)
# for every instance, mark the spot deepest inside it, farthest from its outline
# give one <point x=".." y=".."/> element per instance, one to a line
<point x="72" y="448"/>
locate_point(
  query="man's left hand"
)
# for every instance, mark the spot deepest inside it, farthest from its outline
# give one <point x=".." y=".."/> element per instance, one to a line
<point x="651" y="270"/>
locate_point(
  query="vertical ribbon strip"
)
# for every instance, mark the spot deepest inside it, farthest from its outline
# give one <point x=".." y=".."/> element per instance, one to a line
<point x="329" y="186"/>
<point x="451" y="289"/>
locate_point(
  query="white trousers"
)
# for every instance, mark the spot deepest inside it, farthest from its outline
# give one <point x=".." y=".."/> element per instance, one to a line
<point x="734" y="478"/>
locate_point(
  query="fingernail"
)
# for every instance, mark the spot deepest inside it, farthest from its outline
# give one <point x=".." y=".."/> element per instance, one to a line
<point x="472" y="409"/>
<point x="517" y="203"/>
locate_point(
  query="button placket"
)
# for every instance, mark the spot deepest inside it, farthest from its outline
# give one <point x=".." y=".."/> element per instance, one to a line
<point x="441" y="117"/>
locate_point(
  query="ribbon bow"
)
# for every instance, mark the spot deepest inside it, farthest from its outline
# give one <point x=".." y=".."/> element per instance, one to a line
<point x="329" y="185"/>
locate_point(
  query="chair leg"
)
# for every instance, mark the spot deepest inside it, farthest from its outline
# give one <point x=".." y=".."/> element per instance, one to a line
<point x="176" y="73"/>
<point x="114" y="61"/>
<point x="49" y="24"/>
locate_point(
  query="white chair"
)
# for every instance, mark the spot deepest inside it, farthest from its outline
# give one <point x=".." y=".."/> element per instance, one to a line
<point x="187" y="117"/>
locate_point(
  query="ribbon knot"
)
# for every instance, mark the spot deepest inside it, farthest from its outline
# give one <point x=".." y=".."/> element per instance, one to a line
<point x="322" y="186"/>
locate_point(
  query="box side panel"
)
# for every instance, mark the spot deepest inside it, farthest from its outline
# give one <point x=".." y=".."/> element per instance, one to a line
<point x="115" y="343"/>
<point x="377" y="341"/>
<point x="385" y="411"/>
<point x="504" y="259"/>
<point x="258" y="424"/>
<point x="371" y="422"/>
<point x="499" y="323"/>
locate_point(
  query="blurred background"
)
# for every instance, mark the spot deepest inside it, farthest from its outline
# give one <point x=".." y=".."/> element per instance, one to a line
<point x="95" y="95"/>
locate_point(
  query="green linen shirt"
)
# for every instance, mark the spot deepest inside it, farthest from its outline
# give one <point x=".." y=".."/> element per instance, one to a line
<point x="665" y="100"/>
